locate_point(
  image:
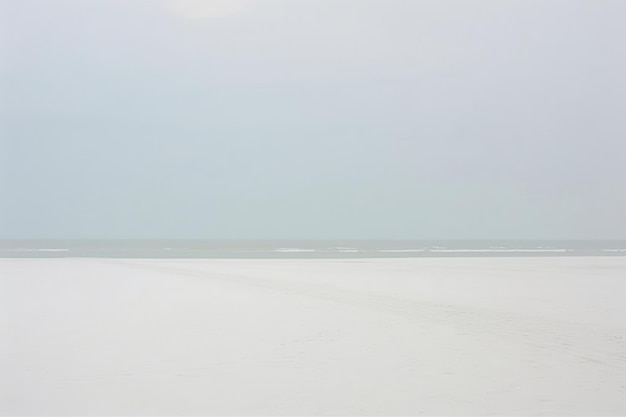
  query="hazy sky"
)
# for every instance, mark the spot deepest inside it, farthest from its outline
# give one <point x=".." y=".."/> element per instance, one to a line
<point x="313" y="119"/>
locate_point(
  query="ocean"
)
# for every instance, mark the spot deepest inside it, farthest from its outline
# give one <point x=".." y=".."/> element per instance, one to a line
<point x="306" y="249"/>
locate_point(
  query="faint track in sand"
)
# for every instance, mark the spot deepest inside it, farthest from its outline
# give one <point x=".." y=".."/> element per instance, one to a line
<point x="584" y="343"/>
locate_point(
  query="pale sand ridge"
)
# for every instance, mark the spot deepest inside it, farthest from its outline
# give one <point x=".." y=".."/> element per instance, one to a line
<point x="469" y="336"/>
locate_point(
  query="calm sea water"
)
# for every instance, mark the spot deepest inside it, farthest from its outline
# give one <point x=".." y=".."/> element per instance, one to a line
<point x="304" y="248"/>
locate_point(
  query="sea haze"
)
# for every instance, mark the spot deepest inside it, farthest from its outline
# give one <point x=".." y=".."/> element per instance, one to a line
<point x="289" y="249"/>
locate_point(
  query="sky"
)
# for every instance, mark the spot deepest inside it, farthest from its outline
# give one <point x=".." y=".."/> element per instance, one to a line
<point x="313" y="119"/>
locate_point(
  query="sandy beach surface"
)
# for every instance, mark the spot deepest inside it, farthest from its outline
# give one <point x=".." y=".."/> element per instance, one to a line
<point x="422" y="336"/>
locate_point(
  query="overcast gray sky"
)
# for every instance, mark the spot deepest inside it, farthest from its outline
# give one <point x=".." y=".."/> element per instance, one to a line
<point x="304" y="119"/>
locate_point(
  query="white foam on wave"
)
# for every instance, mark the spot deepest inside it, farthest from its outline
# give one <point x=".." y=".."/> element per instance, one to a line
<point x="401" y="250"/>
<point x="500" y="250"/>
<point x="293" y="250"/>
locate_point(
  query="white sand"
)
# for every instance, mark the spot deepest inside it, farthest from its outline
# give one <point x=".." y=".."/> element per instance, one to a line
<point x="470" y="336"/>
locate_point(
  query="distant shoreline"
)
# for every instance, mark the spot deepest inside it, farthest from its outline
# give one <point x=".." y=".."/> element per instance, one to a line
<point x="304" y="249"/>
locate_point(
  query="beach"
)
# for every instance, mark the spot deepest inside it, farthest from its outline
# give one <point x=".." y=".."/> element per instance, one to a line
<point x="410" y="336"/>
